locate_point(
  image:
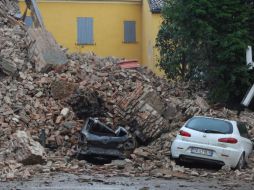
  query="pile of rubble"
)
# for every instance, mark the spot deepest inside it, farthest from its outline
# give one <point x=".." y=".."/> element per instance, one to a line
<point x="13" y="48"/>
<point x="33" y="102"/>
<point x="50" y="108"/>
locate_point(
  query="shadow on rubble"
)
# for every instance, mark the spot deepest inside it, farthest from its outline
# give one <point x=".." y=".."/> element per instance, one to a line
<point x="96" y="160"/>
<point x="199" y="165"/>
<point x="87" y="103"/>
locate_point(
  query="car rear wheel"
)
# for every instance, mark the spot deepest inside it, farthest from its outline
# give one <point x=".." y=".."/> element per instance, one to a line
<point x="178" y="161"/>
<point x="241" y="163"/>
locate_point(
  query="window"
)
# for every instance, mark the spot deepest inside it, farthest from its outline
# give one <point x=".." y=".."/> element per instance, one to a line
<point x="210" y="125"/>
<point x="242" y="130"/>
<point x="85" y="31"/>
<point x="28" y="21"/>
<point x="129" y="32"/>
<point x="98" y="128"/>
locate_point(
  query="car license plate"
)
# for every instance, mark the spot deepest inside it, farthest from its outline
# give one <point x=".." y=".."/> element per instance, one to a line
<point x="201" y="151"/>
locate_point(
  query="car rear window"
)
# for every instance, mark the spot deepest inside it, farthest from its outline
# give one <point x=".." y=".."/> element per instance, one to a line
<point x="210" y="125"/>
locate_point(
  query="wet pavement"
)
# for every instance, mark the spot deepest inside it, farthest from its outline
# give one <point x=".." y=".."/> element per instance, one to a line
<point x="71" y="182"/>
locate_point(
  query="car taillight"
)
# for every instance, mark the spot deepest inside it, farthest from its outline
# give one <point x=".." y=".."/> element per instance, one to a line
<point x="184" y="133"/>
<point x="228" y="140"/>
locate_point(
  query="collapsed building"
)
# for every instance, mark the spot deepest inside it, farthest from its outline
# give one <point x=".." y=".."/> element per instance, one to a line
<point x="50" y="105"/>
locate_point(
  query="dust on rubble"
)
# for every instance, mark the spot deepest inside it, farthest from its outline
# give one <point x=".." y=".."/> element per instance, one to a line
<point x="57" y="102"/>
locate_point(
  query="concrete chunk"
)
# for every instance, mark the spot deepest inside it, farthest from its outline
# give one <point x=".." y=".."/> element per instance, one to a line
<point x="26" y="150"/>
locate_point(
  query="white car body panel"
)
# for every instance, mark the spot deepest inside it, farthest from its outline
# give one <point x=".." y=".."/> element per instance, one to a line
<point x="226" y="153"/>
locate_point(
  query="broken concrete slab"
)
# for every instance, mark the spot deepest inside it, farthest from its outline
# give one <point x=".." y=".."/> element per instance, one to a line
<point x="44" y="51"/>
<point x="65" y="112"/>
<point x="25" y="150"/>
<point x="7" y="67"/>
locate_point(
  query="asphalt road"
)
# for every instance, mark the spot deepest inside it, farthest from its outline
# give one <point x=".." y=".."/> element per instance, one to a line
<point x="75" y="182"/>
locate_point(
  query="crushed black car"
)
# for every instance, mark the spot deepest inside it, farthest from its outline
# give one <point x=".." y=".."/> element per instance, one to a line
<point x="100" y="141"/>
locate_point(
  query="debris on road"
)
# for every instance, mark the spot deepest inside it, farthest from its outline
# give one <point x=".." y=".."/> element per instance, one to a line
<point x="25" y="150"/>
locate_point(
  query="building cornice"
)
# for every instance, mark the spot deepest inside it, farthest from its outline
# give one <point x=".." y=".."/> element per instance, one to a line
<point x="88" y="1"/>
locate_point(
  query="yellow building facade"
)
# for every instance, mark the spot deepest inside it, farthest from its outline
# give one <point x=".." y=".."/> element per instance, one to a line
<point x="151" y="21"/>
<point x="120" y="28"/>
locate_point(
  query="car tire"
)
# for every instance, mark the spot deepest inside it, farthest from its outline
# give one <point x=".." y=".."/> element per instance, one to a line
<point x="82" y="145"/>
<point x="241" y="163"/>
<point x="79" y="156"/>
<point x="130" y="144"/>
<point x="178" y="161"/>
<point x="129" y="147"/>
